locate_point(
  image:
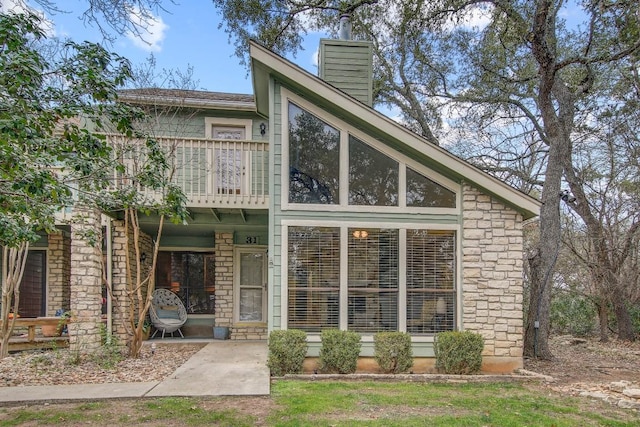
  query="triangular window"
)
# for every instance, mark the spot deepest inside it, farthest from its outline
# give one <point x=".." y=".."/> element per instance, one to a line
<point x="424" y="193"/>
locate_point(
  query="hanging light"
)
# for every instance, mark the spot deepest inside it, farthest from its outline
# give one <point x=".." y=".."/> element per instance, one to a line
<point x="360" y="234"/>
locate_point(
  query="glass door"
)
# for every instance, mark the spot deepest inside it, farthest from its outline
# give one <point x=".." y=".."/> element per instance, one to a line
<point x="251" y="288"/>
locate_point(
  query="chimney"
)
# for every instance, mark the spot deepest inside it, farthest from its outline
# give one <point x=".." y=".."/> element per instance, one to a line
<point x="348" y="64"/>
<point x="345" y="27"/>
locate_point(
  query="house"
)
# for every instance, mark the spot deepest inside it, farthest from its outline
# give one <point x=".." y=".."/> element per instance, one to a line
<point x="311" y="210"/>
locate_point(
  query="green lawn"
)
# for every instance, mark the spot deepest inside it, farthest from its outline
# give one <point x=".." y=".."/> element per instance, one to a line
<point x="331" y="403"/>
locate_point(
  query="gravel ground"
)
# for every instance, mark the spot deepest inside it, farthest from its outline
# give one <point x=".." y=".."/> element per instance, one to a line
<point x="55" y="367"/>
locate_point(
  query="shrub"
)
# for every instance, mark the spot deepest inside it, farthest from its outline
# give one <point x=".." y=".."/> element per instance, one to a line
<point x="392" y="351"/>
<point x="339" y="351"/>
<point x="287" y="350"/>
<point x="458" y="352"/>
<point x="573" y="314"/>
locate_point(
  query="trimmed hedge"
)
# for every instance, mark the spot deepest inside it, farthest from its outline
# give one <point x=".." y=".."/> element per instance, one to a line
<point x="287" y="350"/>
<point x="392" y="352"/>
<point x="339" y="352"/>
<point x="459" y="352"/>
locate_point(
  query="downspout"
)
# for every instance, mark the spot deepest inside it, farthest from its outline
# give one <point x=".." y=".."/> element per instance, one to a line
<point x="109" y="276"/>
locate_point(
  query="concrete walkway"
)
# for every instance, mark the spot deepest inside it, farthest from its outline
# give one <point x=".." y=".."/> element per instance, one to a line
<point x="221" y="368"/>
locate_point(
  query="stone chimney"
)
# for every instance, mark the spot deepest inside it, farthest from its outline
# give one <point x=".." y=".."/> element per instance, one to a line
<point x="348" y="64"/>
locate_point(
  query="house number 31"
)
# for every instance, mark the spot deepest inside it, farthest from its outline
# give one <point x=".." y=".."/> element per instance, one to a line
<point x="251" y="240"/>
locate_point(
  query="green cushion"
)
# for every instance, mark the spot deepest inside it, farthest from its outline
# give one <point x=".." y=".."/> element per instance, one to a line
<point x="168" y="314"/>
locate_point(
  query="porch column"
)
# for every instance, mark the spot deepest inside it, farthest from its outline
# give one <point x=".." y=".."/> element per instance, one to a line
<point x="224" y="279"/>
<point x="121" y="288"/>
<point x="59" y="270"/>
<point x="86" y="281"/>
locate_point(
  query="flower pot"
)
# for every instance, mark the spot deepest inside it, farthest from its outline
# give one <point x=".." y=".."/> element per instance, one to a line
<point x="51" y="330"/>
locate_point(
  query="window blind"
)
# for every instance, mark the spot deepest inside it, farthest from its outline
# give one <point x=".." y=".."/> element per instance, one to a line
<point x="313" y="278"/>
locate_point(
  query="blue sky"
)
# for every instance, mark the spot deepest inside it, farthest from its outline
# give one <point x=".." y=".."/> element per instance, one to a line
<point x="186" y="34"/>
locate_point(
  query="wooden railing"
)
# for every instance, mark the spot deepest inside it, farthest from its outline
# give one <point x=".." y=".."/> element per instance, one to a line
<point x="219" y="173"/>
<point x="32" y="339"/>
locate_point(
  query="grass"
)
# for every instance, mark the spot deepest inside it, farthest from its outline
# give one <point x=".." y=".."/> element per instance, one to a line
<point x="334" y="403"/>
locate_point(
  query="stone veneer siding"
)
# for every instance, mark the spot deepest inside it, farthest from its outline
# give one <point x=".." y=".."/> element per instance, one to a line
<point x="58" y="290"/>
<point x="224" y="279"/>
<point x="119" y="278"/>
<point x="86" y="283"/>
<point x="224" y="274"/>
<point x="492" y="262"/>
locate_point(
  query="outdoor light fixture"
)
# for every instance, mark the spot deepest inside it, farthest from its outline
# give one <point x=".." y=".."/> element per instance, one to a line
<point x="360" y="234"/>
<point x="143" y="257"/>
<point x="567" y="197"/>
<point x="263" y="128"/>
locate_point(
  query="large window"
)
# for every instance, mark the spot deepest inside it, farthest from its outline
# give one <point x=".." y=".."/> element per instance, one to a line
<point x="191" y="276"/>
<point x="314" y="159"/>
<point x="314" y="278"/>
<point x="331" y="164"/>
<point x="430" y="281"/>
<point x="372" y="282"/>
<point x="373" y="177"/>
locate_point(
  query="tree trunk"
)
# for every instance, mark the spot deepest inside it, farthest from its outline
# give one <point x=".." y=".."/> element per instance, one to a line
<point x="543" y="261"/>
<point x="623" y="318"/>
<point x="603" y="320"/>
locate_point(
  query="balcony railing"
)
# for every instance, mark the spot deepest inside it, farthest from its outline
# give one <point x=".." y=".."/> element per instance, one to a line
<point x="219" y="173"/>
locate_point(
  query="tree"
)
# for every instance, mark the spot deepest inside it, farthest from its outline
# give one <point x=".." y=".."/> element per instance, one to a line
<point x="117" y="16"/>
<point x="522" y="72"/>
<point x="53" y="116"/>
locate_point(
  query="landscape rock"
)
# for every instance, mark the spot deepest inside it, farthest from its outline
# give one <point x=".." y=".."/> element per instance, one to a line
<point x="632" y="392"/>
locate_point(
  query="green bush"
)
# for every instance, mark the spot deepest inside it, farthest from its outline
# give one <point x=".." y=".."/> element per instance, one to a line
<point x="392" y="352"/>
<point x="458" y="352"/>
<point x="572" y="314"/>
<point x="287" y="350"/>
<point x="339" y="351"/>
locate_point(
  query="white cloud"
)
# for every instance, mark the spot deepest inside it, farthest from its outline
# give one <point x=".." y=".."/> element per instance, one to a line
<point x="474" y="18"/>
<point x="19" y="6"/>
<point x="150" y="31"/>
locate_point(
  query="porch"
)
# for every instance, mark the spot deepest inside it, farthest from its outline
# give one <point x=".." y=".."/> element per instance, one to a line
<point x="218" y="173"/>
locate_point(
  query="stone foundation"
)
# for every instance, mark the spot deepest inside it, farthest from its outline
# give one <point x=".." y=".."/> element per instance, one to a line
<point x="425" y="365"/>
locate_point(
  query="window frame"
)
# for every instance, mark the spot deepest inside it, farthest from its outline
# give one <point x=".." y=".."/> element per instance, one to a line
<point x="237" y="251"/>
<point x="346" y="130"/>
<point x="205" y="251"/>
<point x="402" y="228"/>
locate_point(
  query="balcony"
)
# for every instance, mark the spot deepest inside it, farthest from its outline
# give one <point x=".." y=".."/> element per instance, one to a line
<point x="219" y="173"/>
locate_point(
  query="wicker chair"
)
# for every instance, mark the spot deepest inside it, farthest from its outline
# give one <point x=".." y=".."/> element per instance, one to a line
<point x="167" y="312"/>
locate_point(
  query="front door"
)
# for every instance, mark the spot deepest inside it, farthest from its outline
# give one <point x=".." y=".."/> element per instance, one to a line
<point x="251" y="285"/>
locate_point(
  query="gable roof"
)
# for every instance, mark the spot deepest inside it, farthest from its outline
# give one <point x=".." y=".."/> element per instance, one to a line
<point x="188" y="98"/>
<point x="266" y="64"/>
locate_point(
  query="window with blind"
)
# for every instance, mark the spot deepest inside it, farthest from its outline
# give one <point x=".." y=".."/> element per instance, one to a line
<point x="373" y="285"/>
<point x="313" y="278"/>
<point x="430" y="281"/>
<point x="373" y="280"/>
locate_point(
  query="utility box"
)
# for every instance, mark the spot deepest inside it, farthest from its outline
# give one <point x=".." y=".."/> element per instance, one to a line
<point x="220" y="333"/>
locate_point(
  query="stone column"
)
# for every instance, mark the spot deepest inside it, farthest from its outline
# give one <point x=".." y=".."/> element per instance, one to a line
<point x="122" y="301"/>
<point x="58" y="278"/>
<point x="224" y="279"/>
<point x="86" y="281"/>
